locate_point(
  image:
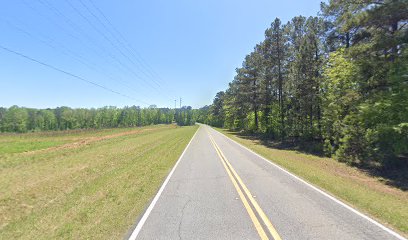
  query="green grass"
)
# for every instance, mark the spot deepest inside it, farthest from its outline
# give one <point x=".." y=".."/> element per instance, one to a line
<point x="27" y="145"/>
<point x="92" y="191"/>
<point x="371" y="195"/>
<point x="17" y="143"/>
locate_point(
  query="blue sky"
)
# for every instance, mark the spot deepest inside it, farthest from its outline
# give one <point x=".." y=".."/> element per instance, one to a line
<point x="165" y="49"/>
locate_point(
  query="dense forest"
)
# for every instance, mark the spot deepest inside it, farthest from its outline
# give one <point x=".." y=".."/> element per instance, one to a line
<point x="21" y="119"/>
<point x="339" y="80"/>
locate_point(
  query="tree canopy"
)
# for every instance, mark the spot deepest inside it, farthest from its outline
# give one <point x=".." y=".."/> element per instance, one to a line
<point x="339" y="79"/>
<point x="21" y="119"/>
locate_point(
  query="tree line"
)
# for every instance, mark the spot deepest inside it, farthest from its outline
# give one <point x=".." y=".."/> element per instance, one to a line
<point x="21" y="119"/>
<point x="339" y="79"/>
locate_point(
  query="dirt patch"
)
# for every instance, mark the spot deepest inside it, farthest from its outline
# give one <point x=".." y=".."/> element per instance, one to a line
<point x="88" y="140"/>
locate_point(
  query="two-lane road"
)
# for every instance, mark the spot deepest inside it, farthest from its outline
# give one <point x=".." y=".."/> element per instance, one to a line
<point x="221" y="190"/>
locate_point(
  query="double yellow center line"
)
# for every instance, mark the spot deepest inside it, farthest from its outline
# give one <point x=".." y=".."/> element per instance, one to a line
<point x="238" y="184"/>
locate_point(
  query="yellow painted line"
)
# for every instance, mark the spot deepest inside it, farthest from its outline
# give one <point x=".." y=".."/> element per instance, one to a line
<point x="261" y="213"/>
<point x="251" y="213"/>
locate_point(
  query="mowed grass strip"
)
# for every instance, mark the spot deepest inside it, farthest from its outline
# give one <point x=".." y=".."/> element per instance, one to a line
<point x="95" y="191"/>
<point x="16" y="143"/>
<point x="387" y="204"/>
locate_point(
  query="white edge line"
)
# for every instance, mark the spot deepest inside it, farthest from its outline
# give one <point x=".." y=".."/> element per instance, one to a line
<point x="156" y="198"/>
<point x="319" y="190"/>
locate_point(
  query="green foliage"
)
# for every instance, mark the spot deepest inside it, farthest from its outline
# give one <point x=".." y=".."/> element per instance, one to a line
<point x="15" y="120"/>
<point x="352" y="144"/>
<point x="340" y="98"/>
<point x="340" y="80"/>
<point x="185" y="116"/>
<point x="20" y="119"/>
<point x="217" y="111"/>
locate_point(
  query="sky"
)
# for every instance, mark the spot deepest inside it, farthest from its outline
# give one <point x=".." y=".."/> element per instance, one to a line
<point x="95" y="53"/>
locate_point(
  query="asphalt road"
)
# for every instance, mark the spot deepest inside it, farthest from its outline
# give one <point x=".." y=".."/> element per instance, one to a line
<point x="221" y="190"/>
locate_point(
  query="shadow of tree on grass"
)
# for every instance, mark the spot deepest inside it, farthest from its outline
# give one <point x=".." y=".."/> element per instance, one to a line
<point x="392" y="176"/>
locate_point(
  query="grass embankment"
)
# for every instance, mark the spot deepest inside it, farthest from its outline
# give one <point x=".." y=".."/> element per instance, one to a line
<point x="83" y="184"/>
<point x="370" y="195"/>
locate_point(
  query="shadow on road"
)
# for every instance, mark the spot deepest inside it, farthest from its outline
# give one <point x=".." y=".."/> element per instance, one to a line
<point x="396" y="177"/>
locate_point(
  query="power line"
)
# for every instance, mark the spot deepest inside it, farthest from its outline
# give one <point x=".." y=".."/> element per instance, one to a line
<point x="69" y="74"/>
<point x="139" y="65"/>
<point x="145" y="70"/>
<point x="68" y="21"/>
<point x="54" y="22"/>
<point x="110" y="42"/>
<point x="82" y="32"/>
<point x="126" y="44"/>
<point x="62" y="49"/>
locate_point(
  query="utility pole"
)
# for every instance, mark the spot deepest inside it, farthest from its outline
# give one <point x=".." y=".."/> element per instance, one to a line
<point x="175" y="103"/>
<point x="180" y="103"/>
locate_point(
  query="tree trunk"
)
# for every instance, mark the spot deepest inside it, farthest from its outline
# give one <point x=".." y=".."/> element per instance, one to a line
<point x="280" y="88"/>
<point x="267" y="102"/>
<point x="347" y="39"/>
<point x="394" y="50"/>
<point x="255" y="106"/>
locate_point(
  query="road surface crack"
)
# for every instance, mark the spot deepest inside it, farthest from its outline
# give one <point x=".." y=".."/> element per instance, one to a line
<point x="182" y="216"/>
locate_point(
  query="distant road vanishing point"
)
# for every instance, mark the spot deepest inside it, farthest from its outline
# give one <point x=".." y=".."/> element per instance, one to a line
<point x="221" y="190"/>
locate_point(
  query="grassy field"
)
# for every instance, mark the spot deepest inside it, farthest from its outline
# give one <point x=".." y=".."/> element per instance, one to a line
<point x="89" y="184"/>
<point x="371" y="195"/>
<point x="17" y="143"/>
